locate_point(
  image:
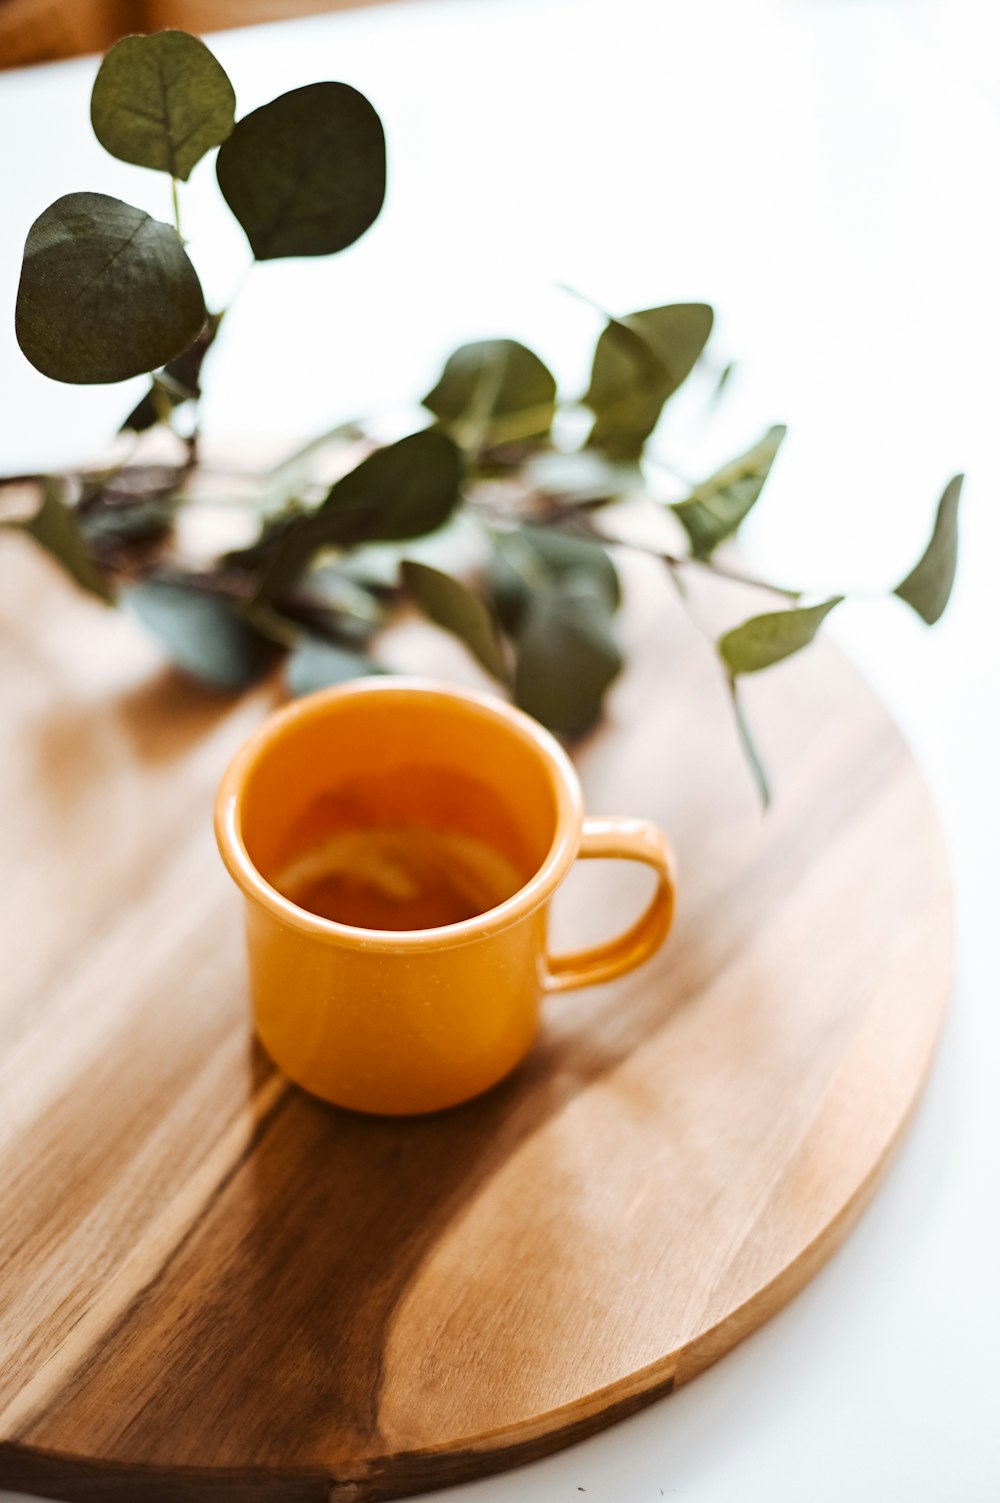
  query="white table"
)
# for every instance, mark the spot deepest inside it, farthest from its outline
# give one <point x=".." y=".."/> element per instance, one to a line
<point x="828" y="174"/>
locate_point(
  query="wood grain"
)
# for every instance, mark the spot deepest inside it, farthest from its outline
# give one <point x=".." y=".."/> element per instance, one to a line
<point x="214" y="1287"/>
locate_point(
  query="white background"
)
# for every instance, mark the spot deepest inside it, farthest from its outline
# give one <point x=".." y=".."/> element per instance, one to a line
<point x="827" y="173"/>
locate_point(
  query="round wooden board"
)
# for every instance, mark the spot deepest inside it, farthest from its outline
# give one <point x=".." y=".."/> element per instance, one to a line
<point x="214" y="1287"/>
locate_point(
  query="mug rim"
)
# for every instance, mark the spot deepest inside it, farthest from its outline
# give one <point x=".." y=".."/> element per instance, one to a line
<point x="553" y="868"/>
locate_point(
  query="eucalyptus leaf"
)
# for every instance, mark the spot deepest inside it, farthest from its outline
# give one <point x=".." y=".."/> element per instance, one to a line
<point x="725" y="376"/>
<point x="716" y="508"/>
<point x="499" y="388"/>
<point x="305" y="174"/>
<point x="162" y="101"/>
<point x="567" y="656"/>
<point x="314" y="664"/>
<point x="56" y="526"/>
<point x="533" y="558"/>
<point x="639" y="362"/>
<point x="927" y="587"/>
<point x="106" y="292"/>
<point x="203" y="633"/>
<point x="452" y="605"/>
<point x="768" y="639"/>
<point x="179" y="382"/>
<point x="402" y="491"/>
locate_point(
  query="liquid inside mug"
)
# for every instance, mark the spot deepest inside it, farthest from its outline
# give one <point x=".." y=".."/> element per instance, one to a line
<point x="397" y="843"/>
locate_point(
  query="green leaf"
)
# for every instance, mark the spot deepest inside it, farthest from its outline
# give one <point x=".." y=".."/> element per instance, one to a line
<point x="567" y="656"/>
<point x="56" y="527"/>
<point x="764" y="640"/>
<point x="401" y="491"/>
<point x="105" y="293"/>
<point x="716" y="508"/>
<point x="316" y="665"/>
<point x="204" y="634"/>
<point x="725" y="376"/>
<point x="452" y="605"/>
<point x="177" y="383"/>
<point x="162" y="101"/>
<point x="491" y="381"/>
<point x="749" y="747"/>
<point x="928" y="586"/>
<point x="540" y="558"/>
<point x="639" y="363"/>
<point x="305" y="174"/>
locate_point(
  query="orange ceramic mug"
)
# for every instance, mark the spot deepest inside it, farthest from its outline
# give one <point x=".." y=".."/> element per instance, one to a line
<point x="438" y="797"/>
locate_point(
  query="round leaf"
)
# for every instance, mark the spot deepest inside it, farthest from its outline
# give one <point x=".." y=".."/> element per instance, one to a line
<point x="492" y="380"/>
<point x="106" y="292"/>
<point x="162" y="101"/>
<point x="305" y="174"/>
<point x="767" y="639"/>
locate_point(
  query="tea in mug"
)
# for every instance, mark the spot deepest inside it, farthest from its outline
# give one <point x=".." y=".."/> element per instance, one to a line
<point x="400" y="877"/>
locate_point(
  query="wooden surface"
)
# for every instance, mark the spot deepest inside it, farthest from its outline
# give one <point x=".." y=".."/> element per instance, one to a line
<point x="35" y="31"/>
<point x="213" y="1287"/>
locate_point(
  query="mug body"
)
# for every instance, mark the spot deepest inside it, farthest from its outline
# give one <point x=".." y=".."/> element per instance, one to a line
<point x="395" y="1031"/>
<point x="393" y="1020"/>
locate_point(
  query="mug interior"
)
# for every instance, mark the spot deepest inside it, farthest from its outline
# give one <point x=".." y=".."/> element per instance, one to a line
<point x="420" y="775"/>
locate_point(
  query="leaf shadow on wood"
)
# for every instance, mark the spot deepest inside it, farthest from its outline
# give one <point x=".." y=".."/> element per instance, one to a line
<point x="168" y="712"/>
<point x="270" y="1323"/>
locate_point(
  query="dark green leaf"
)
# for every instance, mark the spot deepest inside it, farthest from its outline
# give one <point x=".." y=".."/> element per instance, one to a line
<point x="567" y="656"/>
<point x="452" y="605"/>
<point x="639" y="363"/>
<point x="105" y="293"/>
<point x="316" y="665"/>
<point x="56" y="527"/>
<point x="499" y="387"/>
<point x="540" y="558"/>
<point x="305" y="174"/>
<point x="203" y="633"/>
<point x="749" y="747"/>
<point x="162" y="101"/>
<point x="764" y="640"/>
<point x="178" y="382"/>
<point x="928" y="586"/>
<point x="402" y="491"/>
<point x="716" y="508"/>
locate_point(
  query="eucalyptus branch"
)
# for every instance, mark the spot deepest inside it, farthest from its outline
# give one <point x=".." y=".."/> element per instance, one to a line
<point x="542" y="619"/>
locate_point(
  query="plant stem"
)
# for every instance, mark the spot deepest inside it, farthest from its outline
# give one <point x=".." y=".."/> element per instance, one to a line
<point x="739" y="577"/>
<point x="673" y="561"/>
<point x="177" y="206"/>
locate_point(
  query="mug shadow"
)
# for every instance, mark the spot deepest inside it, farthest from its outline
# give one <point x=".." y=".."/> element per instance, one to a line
<point x="341" y="1210"/>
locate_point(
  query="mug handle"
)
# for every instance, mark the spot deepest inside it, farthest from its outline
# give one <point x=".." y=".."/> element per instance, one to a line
<point x="629" y="840"/>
